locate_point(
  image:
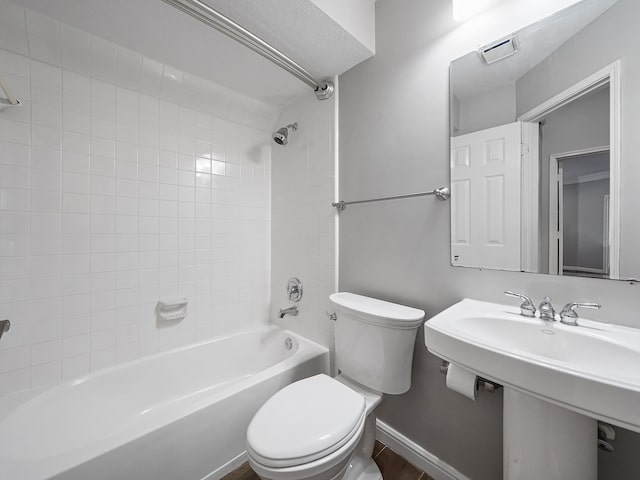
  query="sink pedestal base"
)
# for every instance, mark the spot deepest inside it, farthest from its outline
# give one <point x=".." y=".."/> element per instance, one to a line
<point x="545" y="441"/>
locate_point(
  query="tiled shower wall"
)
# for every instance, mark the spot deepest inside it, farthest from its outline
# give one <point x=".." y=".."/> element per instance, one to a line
<point x="122" y="181"/>
<point x="303" y="221"/>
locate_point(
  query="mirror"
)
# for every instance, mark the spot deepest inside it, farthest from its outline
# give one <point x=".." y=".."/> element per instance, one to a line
<point x="545" y="146"/>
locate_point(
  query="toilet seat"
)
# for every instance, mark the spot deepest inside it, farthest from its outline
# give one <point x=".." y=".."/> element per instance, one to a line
<point x="306" y="421"/>
<point x="332" y="466"/>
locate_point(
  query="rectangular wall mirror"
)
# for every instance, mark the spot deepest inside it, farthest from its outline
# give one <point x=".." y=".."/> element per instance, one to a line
<point x="545" y="149"/>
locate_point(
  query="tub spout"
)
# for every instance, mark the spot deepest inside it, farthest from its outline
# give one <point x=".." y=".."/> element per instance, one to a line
<point x="293" y="311"/>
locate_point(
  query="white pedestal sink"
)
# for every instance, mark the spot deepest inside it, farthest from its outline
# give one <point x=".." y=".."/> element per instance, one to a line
<point x="558" y="380"/>
<point x="544" y="441"/>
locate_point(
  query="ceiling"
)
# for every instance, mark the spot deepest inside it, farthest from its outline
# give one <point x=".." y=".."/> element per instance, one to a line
<point x="159" y="31"/>
<point x="301" y="30"/>
<point x="471" y="77"/>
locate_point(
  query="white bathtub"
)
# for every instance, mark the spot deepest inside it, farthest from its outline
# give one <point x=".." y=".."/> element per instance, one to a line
<point x="180" y="415"/>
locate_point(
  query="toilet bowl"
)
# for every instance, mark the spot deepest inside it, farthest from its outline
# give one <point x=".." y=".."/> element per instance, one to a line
<point x="311" y="429"/>
<point x="323" y="428"/>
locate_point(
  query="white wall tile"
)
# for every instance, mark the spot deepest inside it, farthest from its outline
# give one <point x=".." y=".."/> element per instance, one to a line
<point x="14" y="154"/>
<point x="76" y="183"/>
<point x="45" y="49"/>
<point x="14" y="64"/>
<point x="107" y="181"/>
<point x="16" y="132"/>
<point x="46" y="373"/>
<point x="46" y="352"/>
<point x="75" y="203"/>
<point x="76" y="143"/>
<point x="14" y="380"/>
<point x="303" y="223"/>
<point x="74" y="367"/>
<point x="14" y="359"/>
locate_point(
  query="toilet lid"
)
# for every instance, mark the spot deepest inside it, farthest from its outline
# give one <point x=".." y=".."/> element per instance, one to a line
<point x="304" y="421"/>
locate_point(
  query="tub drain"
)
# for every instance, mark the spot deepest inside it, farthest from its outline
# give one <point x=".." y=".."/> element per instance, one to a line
<point x="288" y="343"/>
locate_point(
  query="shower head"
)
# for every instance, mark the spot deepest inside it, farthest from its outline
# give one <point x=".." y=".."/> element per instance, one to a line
<point x="281" y="135"/>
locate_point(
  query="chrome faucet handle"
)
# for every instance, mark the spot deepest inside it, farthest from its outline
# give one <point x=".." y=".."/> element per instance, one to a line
<point x="569" y="316"/>
<point x="547" y="312"/>
<point x="294" y="289"/>
<point x="527" y="308"/>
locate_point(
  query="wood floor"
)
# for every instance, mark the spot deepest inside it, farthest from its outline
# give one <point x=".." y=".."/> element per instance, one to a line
<point x="392" y="466"/>
<point x="243" y="472"/>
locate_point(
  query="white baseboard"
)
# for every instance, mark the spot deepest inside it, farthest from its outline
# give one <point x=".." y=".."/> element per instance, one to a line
<point x="416" y="455"/>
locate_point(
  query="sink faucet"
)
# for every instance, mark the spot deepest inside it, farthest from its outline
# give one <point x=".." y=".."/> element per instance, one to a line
<point x="569" y="316"/>
<point x="547" y="312"/>
<point x="293" y="311"/>
<point x="527" y="308"/>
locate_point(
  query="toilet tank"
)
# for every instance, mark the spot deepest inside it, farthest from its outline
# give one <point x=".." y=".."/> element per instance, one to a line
<point x="375" y="341"/>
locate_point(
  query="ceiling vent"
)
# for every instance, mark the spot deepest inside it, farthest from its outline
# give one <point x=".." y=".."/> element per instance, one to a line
<point x="497" y="51"/>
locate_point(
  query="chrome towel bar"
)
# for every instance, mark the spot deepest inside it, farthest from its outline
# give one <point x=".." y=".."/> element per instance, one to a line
<point x="441" y="193"/>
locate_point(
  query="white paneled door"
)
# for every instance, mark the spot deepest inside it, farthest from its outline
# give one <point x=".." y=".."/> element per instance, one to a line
<point x="485" y="198"/>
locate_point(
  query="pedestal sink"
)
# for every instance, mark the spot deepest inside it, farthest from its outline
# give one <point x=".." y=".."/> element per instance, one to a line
<point x="558" y="380"/>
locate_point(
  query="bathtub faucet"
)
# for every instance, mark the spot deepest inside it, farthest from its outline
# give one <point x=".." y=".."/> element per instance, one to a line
<point x="293" y="311"/>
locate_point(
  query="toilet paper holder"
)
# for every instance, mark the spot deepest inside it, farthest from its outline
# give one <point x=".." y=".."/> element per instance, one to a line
<point x="486" y="385"/>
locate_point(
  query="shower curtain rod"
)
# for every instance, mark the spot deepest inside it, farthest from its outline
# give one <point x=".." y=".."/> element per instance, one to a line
<point x="207" y="15"/>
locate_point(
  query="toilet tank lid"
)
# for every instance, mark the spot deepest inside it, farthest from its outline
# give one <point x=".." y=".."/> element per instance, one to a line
<point x="377" y="311"/>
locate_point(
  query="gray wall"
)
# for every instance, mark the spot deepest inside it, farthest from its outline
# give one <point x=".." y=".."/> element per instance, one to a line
<point x="570" y="230"/>
<point x="394" y="137"/>
<point x="584" y="223"/>
<point x="614" y="35"/>
<point x="489" y="109"/>
<point x="583" y="123"/>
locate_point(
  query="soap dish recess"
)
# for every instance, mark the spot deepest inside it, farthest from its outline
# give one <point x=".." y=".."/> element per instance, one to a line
<point x="173" y="309"/>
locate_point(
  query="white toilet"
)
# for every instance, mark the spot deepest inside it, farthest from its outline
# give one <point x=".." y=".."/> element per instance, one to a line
<point x="322" y="428"/>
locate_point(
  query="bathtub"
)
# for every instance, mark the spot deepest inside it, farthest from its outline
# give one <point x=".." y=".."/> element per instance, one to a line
<point x="179" y="415"/>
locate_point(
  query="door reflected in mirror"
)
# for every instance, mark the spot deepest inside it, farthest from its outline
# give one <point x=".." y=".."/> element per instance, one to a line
<point x="541" y="147"/>
<point x="579" y="213"/>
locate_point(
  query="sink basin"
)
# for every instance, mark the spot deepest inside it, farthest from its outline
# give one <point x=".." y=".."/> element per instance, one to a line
<point x="592" y="369"/>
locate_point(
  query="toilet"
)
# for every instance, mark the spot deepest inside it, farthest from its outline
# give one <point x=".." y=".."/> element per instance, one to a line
<point x="323" y="428"/>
